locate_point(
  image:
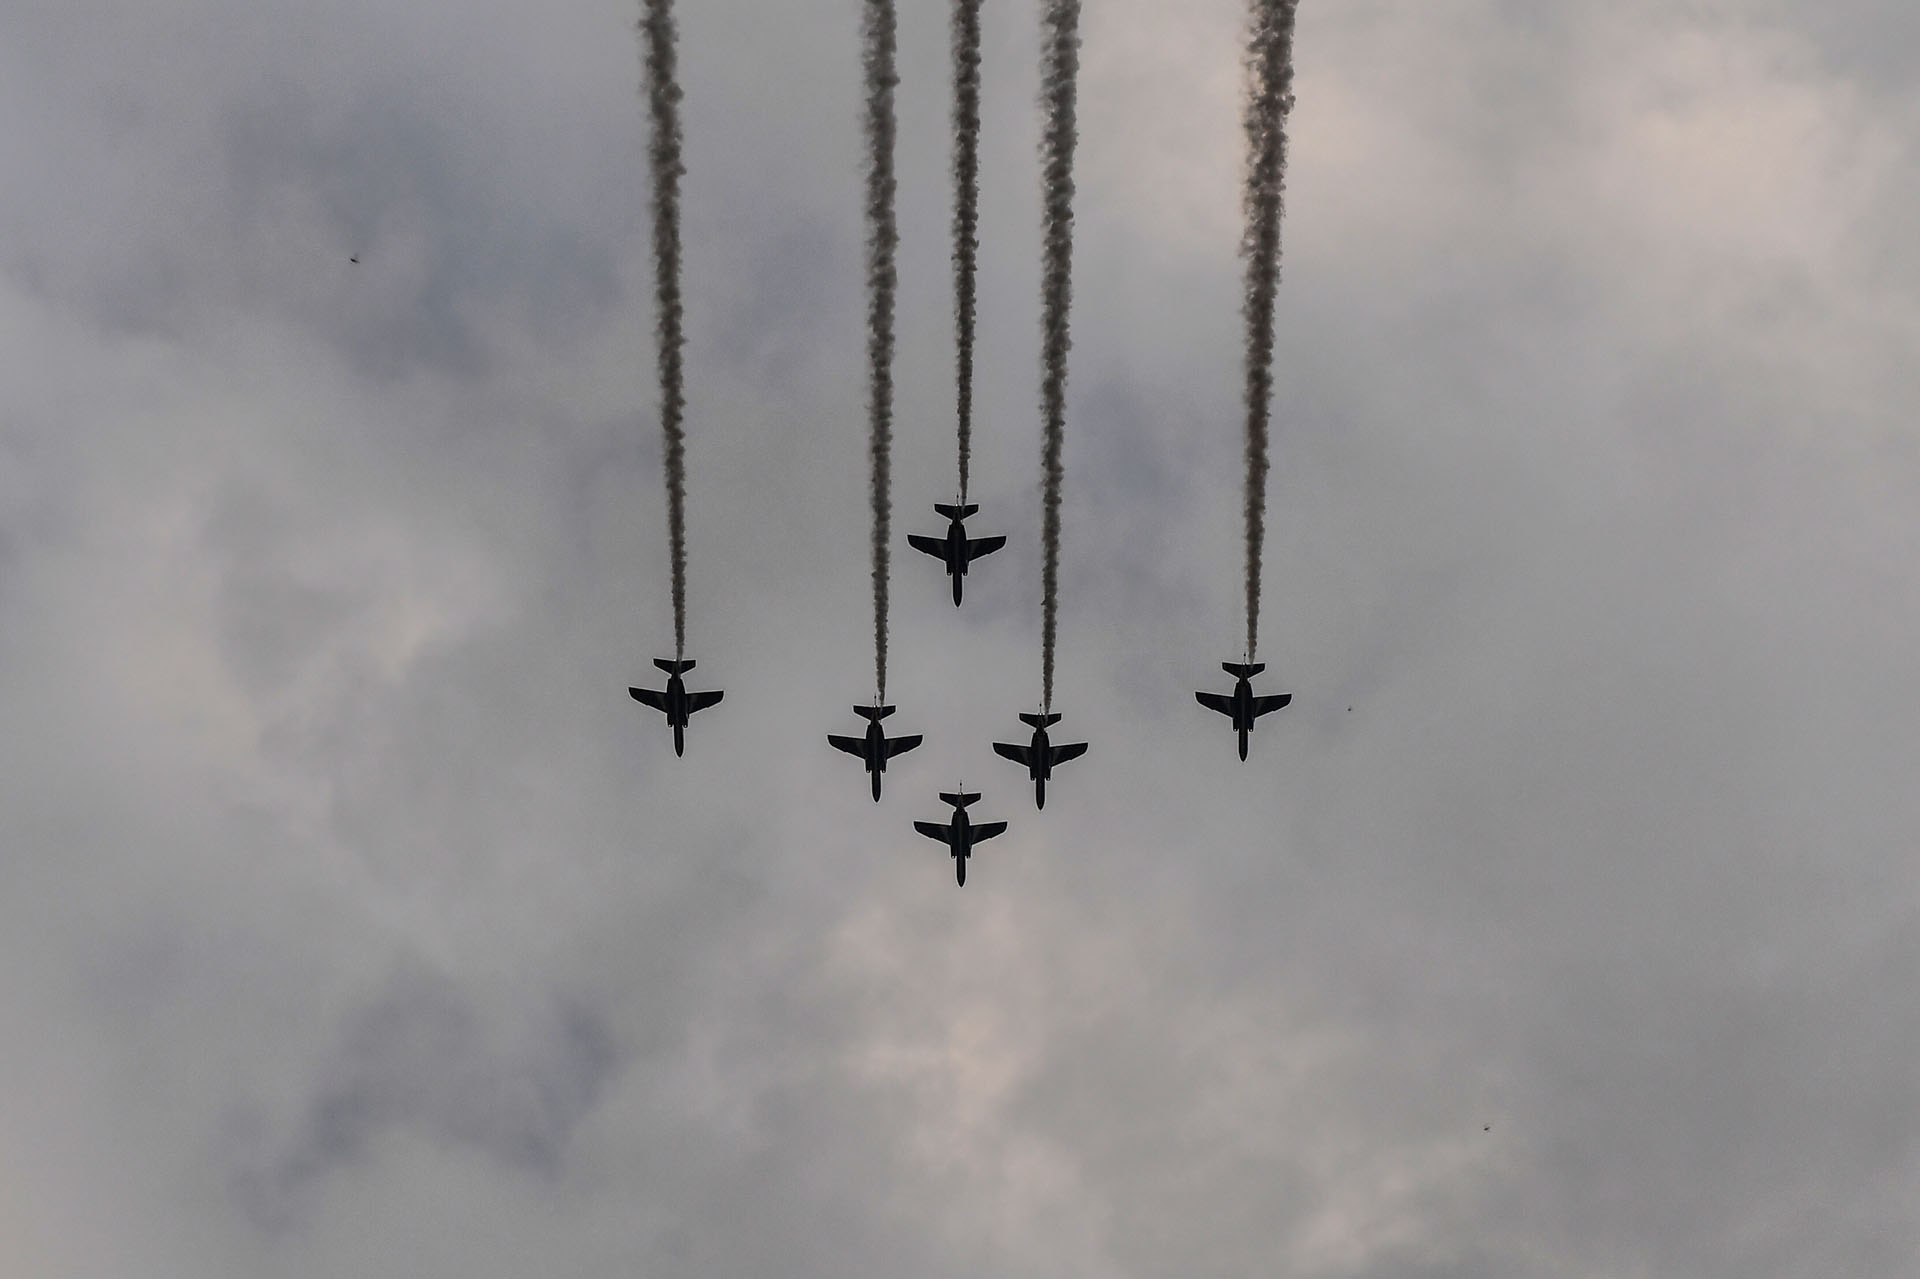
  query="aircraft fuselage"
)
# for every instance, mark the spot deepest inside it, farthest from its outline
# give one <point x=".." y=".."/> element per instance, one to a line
<point x="960" y="841"/>
<point x="1243" y="712"/>
<point x="876" y="756"/>
<point x="956" y="555"/>
<point x="1040" y="763"/>
<point x="677" y="712"/>
<point x="1040" y="766"/>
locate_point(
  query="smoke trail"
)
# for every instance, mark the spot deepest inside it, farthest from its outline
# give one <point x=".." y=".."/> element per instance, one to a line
<point x="966" y="209"/>
<point x="663" y="154"/>
<point x="882" y="239"/>
<point x="1062" y="66"/>
<point x="1270" y="65"/>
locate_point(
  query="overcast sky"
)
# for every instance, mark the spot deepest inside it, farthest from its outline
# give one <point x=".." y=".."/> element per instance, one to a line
<point x="354" y="921"/>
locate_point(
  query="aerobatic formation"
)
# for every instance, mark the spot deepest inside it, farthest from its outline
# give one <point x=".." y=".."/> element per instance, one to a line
<point x="1269" y="60"/>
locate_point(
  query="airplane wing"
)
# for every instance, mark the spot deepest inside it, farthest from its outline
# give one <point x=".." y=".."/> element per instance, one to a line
<point x="978" y="546"/>
<point x="1261" y="705"/>
<point x="1068" y="750"/>
<point x="700" y="701"/>
<point x="987" y="830"/>
<point x="901" y="745"/>
<point x="1018" y="754"/>
<point x="934" y="830"/>
<point x="931" y="545"/>
<point x="851" y="745"/>
<point x="649" y="697"/>
<point x="1216" y="702"/>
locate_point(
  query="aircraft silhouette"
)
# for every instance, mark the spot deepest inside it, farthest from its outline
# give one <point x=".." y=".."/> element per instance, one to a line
<point x="1040" y="756"/>
<point x="956" y="549"/>
<point x="876" y="748"/>
<point x="1242" y="706"/>
<point x="676" y="701"/>
<point x="960" y="834"/>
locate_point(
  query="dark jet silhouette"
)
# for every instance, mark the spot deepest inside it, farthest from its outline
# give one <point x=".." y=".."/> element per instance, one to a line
<point x="956" y="549"/>
<point x="677" y="702"/>
<point x="1040" y="756"/>
<point x="1242" y="706"/>
<point x="960" y="835"/>
<point x="876" y="748"/>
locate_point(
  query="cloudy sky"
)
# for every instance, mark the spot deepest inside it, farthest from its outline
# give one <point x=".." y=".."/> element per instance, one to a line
<point x="353" y="921"/>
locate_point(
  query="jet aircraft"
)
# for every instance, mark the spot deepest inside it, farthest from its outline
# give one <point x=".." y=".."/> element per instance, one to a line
<point x="677" y="702"/>
<point x="876" y="748"/>
<point x="956" y="549"/>
<point x="1242" y="706"/>
<point x="961" y="834"/>
<point x="1040" y="757"/>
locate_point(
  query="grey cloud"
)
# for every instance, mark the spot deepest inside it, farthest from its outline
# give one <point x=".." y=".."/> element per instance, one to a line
<point x="423" y="1056"/>
<point x="1591" y="498"/>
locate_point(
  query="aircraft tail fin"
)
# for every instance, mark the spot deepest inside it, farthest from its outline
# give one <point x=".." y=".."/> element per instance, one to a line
<point x="961" y="800"/>
<point x="1039" y="721"/>
<point x="956" y="512"/>
<point x="672" y="666"/>
<point x="873" y="714"/>
<point x="1243" y="670"/>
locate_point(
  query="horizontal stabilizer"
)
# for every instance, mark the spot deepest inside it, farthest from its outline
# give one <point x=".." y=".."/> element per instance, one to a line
<point x="959" y="801"/>
<point x="673" y="667"/>
<point x="873" y="713"/>
<point x="1246" y="671"/>
<point x="647" y="697"/>
<point x="1039" y="721"/>
<point x="956" y="512"/>
<point x="1018" y="754"/>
